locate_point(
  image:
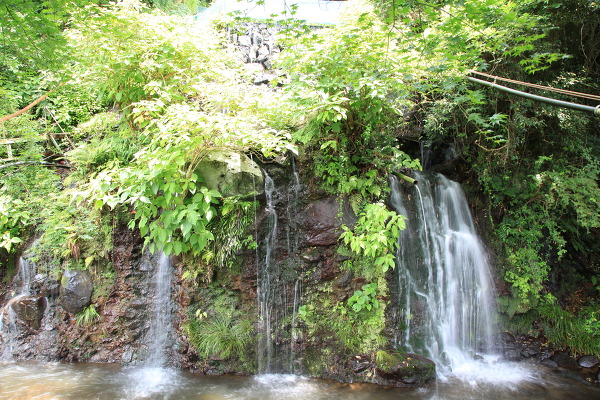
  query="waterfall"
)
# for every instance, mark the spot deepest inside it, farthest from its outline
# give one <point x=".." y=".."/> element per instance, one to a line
<point x="265" y="289"/>
<point x="9" y="331"/>
<point x="445" y="285"/>
<point x="154" y="378"/>
<point x="159" y="335"/>
<point x="279" y="285"/>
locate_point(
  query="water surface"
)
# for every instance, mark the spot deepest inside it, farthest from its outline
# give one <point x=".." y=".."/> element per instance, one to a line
<point x="45" y="381"/>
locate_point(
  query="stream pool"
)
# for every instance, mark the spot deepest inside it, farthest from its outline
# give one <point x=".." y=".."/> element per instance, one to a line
<point x="44" y="381"/>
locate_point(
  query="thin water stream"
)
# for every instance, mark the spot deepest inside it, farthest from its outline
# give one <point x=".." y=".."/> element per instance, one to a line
<point x="154" y="378"/>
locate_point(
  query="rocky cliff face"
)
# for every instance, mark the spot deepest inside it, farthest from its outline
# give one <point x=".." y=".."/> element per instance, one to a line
<point x="296" y="228"/>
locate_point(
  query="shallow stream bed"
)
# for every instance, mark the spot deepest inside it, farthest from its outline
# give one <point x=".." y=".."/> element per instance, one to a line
<point x="32" y="380"/>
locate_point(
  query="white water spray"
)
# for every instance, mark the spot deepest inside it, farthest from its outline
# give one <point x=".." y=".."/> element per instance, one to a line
<point x="444" y="277"/>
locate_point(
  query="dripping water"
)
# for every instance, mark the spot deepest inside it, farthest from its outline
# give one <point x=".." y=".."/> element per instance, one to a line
<point x="279" y="284"/>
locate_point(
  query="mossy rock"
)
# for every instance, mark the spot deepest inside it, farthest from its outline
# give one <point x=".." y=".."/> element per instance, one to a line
<point x="231" y="173"/>
<point x="405" y="370"/>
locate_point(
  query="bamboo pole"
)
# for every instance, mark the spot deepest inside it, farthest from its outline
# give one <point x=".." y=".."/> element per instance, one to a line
<point x="406" y="178"/>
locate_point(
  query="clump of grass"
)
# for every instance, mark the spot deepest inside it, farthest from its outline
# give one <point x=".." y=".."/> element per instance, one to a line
<point x="87" y="316"/>
<point x="219" y="336"/>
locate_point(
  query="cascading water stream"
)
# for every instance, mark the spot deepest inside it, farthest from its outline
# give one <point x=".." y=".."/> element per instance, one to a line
<point x="279" y="285"/>
<point x="154" y="376"/>
<point x="264" y="284"/>
<point x="443" y="274"/>
<point x="8" y="318"/>
<point x="159" y="334"/>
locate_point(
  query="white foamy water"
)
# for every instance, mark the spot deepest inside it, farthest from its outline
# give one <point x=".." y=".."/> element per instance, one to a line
<point x="491" y="371"/>
<point x="148" y="382"/>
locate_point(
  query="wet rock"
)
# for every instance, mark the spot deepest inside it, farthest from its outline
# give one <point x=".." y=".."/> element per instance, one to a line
<point x="127" y="356"/>
<point x="321" y="221"/>
<point x="512" y="355"/>
<point x="231" y="173"/>
<point x="588" y="361"/>
<point x="565" y="361"/>
<point x="506" y="337"/>
<point x="265" y="77"/>
<point x="75" y="290"/>
<point x="244" y="40"/>
<point x="344" y="279"/>
<point x="549" y="363"/>
<point x="530" y="351"/>
<point x="30" y="310"/>
<point x="410" y="370"/>
<point x="50" y="289"/>
<point x="311" y="254"/>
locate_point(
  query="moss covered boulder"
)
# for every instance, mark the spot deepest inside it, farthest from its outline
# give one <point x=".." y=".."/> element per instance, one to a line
<point x="231" y="173"/>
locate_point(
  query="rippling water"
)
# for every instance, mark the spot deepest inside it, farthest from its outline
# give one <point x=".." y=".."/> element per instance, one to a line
<point x="45" y="381"/>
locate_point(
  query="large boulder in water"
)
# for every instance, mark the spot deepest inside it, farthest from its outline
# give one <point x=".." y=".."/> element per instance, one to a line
<point x="565" y="361"/>
<point x="75" y="290"/>
<point x="231" y="173"/>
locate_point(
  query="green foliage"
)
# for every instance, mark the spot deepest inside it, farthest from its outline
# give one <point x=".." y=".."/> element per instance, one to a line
<point x="348" y="108"/>
<point x="578" y="332"/>
<point x="230" y="231"/>
<point x="178" y="7"/>
<point x="220" y="336"/>
<point x="355" y="331"/>
<point x="101" y="141"/>
<point x="372" y="244"/>
<point x="70" y="105"/>
<point x="72" y="234"/>
<point x="172" y="79"/>
<point x="31" y="36"/>
<point x="375" y="237"/>
<point x="13" y="219"/>
<point x="386" y="360"/>
<point x="130" y="56"/>
<point x="460" y="31"/>
<point x="365" y="299"/>
<point x="88" y="316"/>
